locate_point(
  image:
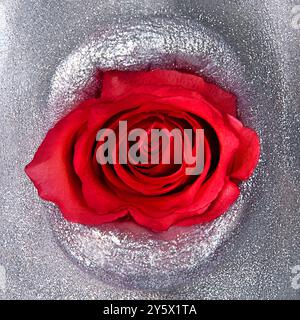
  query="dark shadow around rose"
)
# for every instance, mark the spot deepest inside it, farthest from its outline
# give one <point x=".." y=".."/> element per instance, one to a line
<point x="65" y="169"/>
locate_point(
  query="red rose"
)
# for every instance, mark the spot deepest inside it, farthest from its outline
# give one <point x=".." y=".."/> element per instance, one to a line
<point x="66" y="172"/>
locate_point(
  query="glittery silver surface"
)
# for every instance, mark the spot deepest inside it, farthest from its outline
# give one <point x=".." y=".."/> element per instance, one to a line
<point x="49" y="51"/>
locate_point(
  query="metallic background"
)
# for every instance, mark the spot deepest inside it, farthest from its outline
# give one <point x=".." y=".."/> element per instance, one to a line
<point x="256" y="262"/>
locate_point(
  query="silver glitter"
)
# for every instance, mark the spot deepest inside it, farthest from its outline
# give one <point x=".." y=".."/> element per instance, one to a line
<point x="246" y="46"/>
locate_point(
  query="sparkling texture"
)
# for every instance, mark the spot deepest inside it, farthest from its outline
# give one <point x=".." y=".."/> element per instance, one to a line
<point x="49" y="54"/>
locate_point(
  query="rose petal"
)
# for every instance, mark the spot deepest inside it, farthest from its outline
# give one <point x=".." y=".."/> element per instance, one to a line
<point x="51" y="168"/>
<point x="247" y="154"/>
<point x="225" y="199"/>
<point x="118" y="83"/>
<point x="97" y="194"/>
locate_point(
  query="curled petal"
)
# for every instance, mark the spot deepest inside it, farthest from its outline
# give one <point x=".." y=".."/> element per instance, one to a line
<point x="247" y="154"/>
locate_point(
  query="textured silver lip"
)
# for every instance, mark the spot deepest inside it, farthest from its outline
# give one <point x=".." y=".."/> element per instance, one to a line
<point x="124" y="253"/>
